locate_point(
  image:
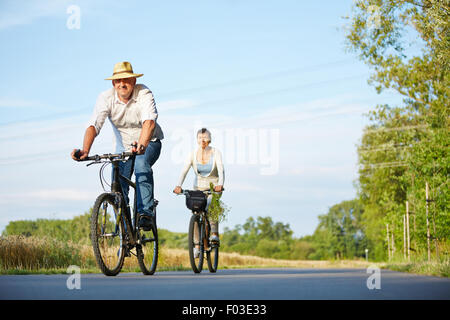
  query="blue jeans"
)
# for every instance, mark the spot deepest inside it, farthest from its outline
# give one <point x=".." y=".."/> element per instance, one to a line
<point x="144" y="177"/>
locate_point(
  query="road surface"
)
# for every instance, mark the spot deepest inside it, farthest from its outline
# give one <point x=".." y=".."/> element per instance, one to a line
<point x="236" y="284"/>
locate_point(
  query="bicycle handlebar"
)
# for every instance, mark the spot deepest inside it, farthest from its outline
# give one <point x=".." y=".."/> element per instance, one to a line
<point x="186" y="192"/>
<point x="108" y="156"/>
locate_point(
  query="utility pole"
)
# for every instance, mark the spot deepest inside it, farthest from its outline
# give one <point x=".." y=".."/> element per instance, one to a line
<point x="434" y="229"/>
<point x="407" y="230"/>
<point x="393" y="242"/>
<point x="428" y="223"/>
<point x="388" y="241"/>
<point x="404" y="236"/>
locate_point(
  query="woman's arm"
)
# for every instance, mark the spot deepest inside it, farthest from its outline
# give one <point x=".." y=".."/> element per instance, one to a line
<point x="185" y="170"/>
<point x="220" y="169"/>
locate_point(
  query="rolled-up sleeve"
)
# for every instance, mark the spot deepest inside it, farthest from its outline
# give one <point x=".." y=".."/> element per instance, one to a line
<point x="220" y="168"/>
<point x="147" y="104"/>
<point x="101" y="112"/>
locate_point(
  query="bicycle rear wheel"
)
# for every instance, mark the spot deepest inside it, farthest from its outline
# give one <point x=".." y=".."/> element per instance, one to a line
<point x="147" y="250"/>
<point x="107" y="235"/>
<point x="195" y="241"/>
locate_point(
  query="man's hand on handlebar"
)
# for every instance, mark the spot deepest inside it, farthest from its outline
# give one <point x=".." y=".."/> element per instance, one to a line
<point x="218" y="188"/>
<point x="78" y="154"/>
<point x="138" y="148"/>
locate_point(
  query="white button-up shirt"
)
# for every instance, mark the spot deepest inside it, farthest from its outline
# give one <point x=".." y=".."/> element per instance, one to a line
<point x="126" y="118"/>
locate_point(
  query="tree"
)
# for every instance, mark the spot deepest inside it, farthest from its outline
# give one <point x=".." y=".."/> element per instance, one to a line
<point x="340" y="232"/>
<point x="405" y="146"/>
<point x="263" y="237"/>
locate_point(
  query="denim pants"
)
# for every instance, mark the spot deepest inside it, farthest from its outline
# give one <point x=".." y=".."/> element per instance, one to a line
<point x="144" y="177"/>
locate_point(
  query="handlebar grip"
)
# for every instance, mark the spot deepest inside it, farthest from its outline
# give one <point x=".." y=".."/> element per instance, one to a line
<point x="135" y="145"/>
<point x="77" y="154"/>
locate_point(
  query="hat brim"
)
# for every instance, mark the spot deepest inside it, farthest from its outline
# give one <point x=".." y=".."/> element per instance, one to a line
<point x="125" y="75"/>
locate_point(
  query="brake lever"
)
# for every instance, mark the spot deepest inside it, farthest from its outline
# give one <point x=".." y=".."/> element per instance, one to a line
<point x="97" y="160"/>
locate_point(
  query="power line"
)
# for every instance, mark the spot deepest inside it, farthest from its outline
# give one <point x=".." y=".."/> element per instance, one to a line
<point x="33" y="157"/>
<point x="45" y="117"/>
<point x="384" y="165"/>
<point x="260" y="77"/>
<point x="39" y="133"/>
<point x="383" y="149"/>
<point x="266" y="93"/>
<point x="218" y="85"/>
<point x="395" y="128"/>
<point x="208" y="103"/>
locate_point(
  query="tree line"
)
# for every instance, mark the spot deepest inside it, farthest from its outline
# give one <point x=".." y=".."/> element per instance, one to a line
<point x="336" y="236"/>
<point x="403" y="152"/>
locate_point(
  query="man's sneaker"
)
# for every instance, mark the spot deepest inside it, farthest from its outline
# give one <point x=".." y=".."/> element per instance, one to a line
<point x="196" y="253"/>
<point x="145" y="222"/>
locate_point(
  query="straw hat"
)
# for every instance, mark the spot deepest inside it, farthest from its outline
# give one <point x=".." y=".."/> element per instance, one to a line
<point x="123" y="70"/>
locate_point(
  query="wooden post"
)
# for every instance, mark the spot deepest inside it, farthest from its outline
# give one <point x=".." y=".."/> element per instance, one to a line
<point x="388" y="241"/>
<point x="434" y="229"/>
<point x="393" y="242"/>
<point x="407" y="230"/>
<point x="428" y="223"/>
<point x="404" y="236"/>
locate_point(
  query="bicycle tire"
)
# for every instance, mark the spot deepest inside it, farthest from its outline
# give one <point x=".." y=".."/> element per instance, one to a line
<point x="196" y="263"/>
<point x="107" y="230"/>
<point x="147" y="250"/>
<point x="212" y="255"/>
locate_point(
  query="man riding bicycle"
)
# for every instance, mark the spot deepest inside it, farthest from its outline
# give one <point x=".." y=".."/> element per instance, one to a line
<point x="131" y="109"/>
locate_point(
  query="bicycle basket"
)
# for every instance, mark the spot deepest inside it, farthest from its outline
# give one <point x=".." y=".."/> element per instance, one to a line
<point x="196" y="200"/>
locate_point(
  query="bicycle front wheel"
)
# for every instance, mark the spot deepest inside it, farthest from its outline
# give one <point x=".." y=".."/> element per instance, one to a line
<point x="212" y="254"/>
<point x="195" y="244"/>
<point x="147" y="250"/>
<point x="107" y="234"/>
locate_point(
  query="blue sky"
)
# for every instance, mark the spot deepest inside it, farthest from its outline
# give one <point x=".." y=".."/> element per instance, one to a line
<point x="273" y="75"/>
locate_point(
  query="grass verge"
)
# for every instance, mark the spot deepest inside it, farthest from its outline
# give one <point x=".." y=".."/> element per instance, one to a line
<point x="32" y="255"/>
<point x="433" y="268"/>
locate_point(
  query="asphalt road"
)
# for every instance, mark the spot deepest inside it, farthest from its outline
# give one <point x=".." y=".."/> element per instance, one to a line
<point x="245" y="284"/>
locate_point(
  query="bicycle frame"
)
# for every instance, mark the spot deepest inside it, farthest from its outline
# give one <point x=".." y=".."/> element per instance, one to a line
<point x="116" y="189"/>
<point x="205" y="230"/>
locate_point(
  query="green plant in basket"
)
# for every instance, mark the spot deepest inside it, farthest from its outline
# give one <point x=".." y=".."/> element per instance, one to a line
<point x="217" y="210"/>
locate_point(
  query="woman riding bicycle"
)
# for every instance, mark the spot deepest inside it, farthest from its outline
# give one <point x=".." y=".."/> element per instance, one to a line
<point x="208" y="168"/>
